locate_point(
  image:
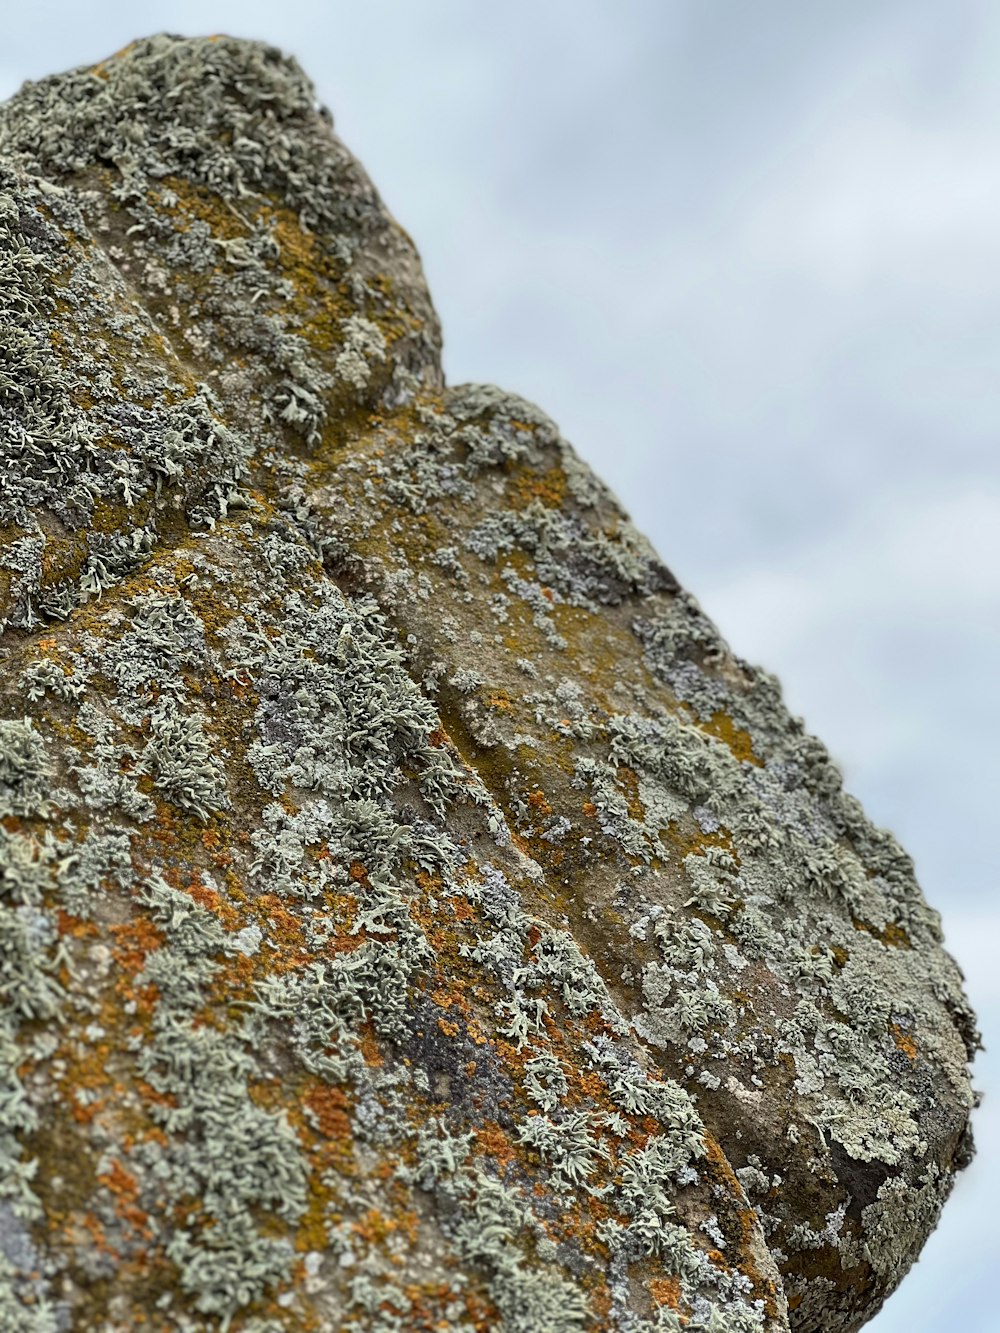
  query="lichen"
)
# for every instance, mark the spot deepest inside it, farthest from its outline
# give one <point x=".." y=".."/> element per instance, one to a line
<point x="411" y="914"/>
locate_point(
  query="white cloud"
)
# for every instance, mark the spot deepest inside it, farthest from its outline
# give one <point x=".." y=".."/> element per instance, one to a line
<point x="973" y="937"/>
<point x="877" y="195"/>
<point x="932" y="556"/>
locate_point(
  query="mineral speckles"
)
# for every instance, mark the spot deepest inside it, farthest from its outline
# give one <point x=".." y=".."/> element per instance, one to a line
<point x="413" y="916"/>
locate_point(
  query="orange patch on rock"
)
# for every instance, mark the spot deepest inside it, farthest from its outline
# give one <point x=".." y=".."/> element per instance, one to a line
<point x="665" y="1291"/>
<point x="538" y="803"/>
<point x="369" y="1047"/>
<point x="213" y="902"/>
<point x="74" y="926"/>
<point x="125" y="1189"/>
<point x="723" y="728"/>
<point x="462" y="908"/>
<point x="904" y="1042"/>
<point x="329" y="1107"/>
<point x="492" y="1139"/>
<point x="135" y="939"/>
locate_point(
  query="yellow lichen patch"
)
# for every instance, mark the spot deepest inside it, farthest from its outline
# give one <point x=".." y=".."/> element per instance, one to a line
<point x="67" y="924"/>
<point x="369" y="1046"/>
<point x="430" y="1305"/>
<point x="211" y="899"/>
<point x="313" y="1231"/>
<point x="329" y="1108"/>
<point x="316" y="309"/>
<point x="891" y="935"/>
<point x="193" y="202"/>
<point x="231" y="987"/>
<point x="375" y="1226"/>
<point x="496" y="1143"/>
<point x="686" y="837"/>
<point x="321" y="1114"/>
<point x="123" y="1186"/>
<point x="723" y="728"/>
<point x="285" y="940"/>
<point x="527" y="485"/>
<point x="134" y="941"/>
<point x="446" y="996"/>
<point x="461" y="907"/>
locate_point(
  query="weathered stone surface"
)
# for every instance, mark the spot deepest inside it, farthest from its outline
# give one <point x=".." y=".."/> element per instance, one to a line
<point x="413" y="916"/>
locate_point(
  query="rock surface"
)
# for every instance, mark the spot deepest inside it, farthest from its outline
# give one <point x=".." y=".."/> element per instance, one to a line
<point x="412" y="915"/>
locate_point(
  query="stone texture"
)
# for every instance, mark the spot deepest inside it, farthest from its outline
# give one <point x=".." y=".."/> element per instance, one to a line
<point x="412" y="915"/>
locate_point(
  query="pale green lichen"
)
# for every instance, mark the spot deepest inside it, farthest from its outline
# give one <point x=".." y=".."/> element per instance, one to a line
<point x="24" y="769"/>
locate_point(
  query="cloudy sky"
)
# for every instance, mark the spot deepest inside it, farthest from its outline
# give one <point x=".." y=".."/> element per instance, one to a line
<point x="748" y="257"/>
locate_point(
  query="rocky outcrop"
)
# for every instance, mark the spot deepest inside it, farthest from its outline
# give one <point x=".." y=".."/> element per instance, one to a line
<point x="412" y="915"/>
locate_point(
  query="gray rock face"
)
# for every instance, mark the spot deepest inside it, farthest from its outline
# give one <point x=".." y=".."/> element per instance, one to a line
<point x="412" y="915"/>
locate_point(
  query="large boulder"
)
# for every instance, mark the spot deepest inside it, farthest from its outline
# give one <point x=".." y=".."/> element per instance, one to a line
<point x="412" y="915"/>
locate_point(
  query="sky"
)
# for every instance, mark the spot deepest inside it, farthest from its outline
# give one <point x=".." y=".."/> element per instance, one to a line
<point x="748" y="257"/>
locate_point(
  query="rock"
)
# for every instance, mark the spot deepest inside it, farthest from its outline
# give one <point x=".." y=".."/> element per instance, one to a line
<point x="413" y="915"/>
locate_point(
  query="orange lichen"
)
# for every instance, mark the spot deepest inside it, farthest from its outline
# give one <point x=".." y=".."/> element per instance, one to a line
<point x="124" y="1187"/>
<point x="903" y="1041"/>
<point x="496" y="1143"/>
<point x="538" y="803"/>
<point x="666" y="1291"/>
<point x="215" y="903"/>
<point x="135" y="940"/>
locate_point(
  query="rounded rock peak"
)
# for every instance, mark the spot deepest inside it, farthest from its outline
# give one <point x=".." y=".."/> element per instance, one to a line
<point x="237" y="119"/>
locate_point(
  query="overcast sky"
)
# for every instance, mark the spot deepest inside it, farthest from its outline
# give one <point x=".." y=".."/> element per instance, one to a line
<point x="748" y="257"/>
